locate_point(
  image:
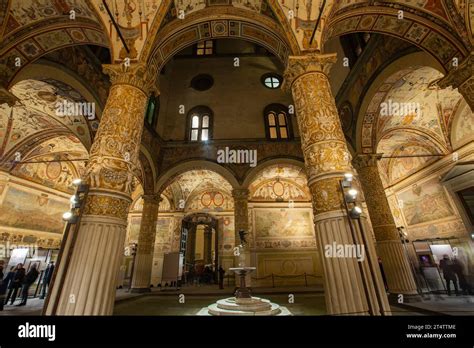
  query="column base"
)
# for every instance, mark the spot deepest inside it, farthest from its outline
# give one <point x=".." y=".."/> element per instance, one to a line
<point x="140" y="290"/>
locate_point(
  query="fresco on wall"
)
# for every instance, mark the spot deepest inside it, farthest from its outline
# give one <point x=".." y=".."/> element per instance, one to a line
<point x="28" y="210"/>
<point x="134" y="229"/>
<point x="463" y="126"/>
<point x="425" y="202"/>
<point x="283" y="223"/>
<point x="163" y="232"/>
<point x="211" y="200"/>
<point x="280" y="183"/>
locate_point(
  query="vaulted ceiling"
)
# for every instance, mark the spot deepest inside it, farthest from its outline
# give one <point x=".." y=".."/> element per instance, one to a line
<point x="31" y="28"/>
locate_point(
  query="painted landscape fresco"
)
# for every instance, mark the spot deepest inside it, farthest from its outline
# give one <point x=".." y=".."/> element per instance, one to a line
<point x="425" y="202"/>
<point x="31" y="211"/>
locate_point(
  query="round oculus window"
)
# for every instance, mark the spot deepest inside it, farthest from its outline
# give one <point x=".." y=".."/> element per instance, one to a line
<point x="271" y="81"/>
<point x="202" y="82"/>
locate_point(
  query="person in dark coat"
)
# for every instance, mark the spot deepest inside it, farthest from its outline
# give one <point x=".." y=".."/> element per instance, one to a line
<point x="29" y="279"/>
<point x="221" y="277"/>
<point x="446" y="266"/>
<point x="48" y="274"/>
<point x="15" y="283"/>
<point x="1" y="288"/>
<point x="458" y="270"/>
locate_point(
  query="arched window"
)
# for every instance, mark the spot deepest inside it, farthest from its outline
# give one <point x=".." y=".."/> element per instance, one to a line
<point x="152" y="110"/>
<point x="199" y="124"/>
<point x="277" y="122"/>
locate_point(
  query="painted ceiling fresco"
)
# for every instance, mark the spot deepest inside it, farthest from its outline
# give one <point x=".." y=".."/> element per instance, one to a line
<point x="420" y="126"/>
<point x="42" y="97"/>
<point x="54" y="163"/>
<point x="51" y="149"/>
<point x="280" y="183"/>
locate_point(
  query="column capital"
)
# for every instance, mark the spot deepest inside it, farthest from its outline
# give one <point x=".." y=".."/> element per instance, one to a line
<point x="364" y="160"/>
<point x="152" y="198"/>
<point x="136" y="75"/>
<point x="308" y="63"/>
<point x="240" y="193"/>
<point x="462" y="78"/>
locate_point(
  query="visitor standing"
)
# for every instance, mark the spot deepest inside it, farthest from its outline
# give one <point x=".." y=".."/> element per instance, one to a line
<point x="1" y="288"/>
<point x="446" y="265"/>
<point x="458" y="270"/>
<point x="48" y="274"/>
<point x="29" y="279"/>
<point x="221" y="277"/>
<point x="15" y="283"/>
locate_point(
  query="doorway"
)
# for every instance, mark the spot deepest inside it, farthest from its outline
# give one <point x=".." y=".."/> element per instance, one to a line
<point x="199" y="247"/>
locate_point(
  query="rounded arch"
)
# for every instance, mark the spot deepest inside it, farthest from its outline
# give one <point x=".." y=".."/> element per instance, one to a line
<point x="252" y="174"/>
<point x="430" y="33"/>
<point x="167" y="177"/>
<point x="232" y="23"/>
<point x="365" y="116"/>
<point x="37" y="28"/>
<point x="149" y="169"/>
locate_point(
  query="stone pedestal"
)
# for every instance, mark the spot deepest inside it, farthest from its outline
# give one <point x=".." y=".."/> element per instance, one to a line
<point x="351" y="287"/>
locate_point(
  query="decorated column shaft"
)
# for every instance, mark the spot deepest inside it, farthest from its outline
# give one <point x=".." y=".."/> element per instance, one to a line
<point x="89" y="283"/>
<point x="208" y="245"/>
<point x="352" y="286"/>
<point x="146" y="244"/>
<point x="389" y="246"/>
<point x="191" y="245"/>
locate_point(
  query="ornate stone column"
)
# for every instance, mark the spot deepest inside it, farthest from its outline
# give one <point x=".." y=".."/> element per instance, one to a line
<point x="351" y="287"/>
<point x="389" y="246"/>
<point x="191" y="244"/>
<point x="208" y="245"/>
<point x="462" y="78"/>
<point x="146" y="244"/>
<point x="89" y="281"/>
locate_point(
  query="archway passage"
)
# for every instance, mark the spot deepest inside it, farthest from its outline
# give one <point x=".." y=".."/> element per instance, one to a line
<point x="199" y="246"/>
<point x="413" y="23"/>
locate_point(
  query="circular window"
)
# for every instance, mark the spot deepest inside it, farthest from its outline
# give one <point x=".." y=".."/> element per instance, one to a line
<point x="271" y="81"/>
<point x="202" y="82"/>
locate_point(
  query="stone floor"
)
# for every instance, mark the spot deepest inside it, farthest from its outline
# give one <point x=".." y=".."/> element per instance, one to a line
<point x="307" y="301"/>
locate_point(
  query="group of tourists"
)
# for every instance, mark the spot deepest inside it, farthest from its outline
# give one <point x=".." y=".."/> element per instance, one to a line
<point x="18" y="281"/>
